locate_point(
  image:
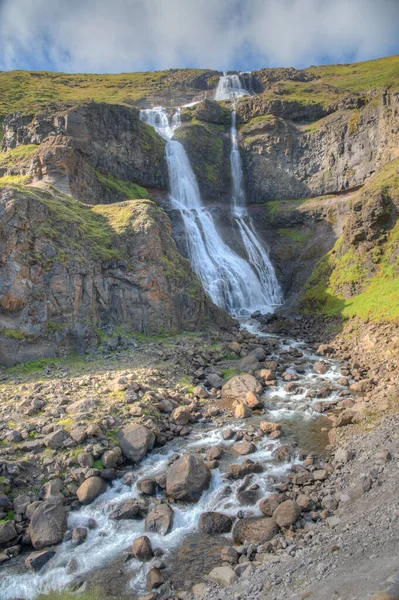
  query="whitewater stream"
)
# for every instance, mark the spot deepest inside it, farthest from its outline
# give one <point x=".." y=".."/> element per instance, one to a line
<point x="109" y="539"/>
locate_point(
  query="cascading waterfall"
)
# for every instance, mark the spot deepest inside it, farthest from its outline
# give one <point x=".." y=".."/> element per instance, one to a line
<point x="230" y="87"/>
<point x="229" y="280"/>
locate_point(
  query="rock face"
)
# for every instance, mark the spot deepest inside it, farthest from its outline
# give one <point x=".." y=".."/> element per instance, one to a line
<point x="256" y="530"/>
<point x="187" y="478"/>
<point x="48" y="523"/>
<point x="68" y="268"/>
<point x="135" y="441"/>
<point x="83" y="148"/>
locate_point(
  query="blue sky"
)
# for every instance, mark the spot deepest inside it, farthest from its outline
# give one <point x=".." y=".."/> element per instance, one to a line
<point x="111" y="36"/>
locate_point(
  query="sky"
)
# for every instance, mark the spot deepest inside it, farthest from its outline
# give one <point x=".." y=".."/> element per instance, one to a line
<point x="113" y="36"/>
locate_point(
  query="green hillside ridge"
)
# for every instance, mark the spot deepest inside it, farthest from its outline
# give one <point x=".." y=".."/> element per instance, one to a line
<point x="359" y="281"/>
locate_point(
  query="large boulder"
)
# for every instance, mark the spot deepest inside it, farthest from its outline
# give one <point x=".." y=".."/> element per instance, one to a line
<point x="90" y="489"/>
<point x="256" y="530"/>
<point x="287" y="513"/>
<point x="181" y="415"/>
<point x="160" y="519"/>
<point x="135" y="441"/>
<point x="48" y="523"/>
<point x="7" y="532"/>
<point x="237" y="387"/>
<point x="142" y="548"/>
<point x="215" y="522"/>
<point x="187" y="478"/>
<point x="36" y="560"/>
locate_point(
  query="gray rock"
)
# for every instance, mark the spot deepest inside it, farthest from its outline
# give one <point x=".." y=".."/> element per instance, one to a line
<point x="48" y="523"/>
<point x="135" y="441"/>
<point x="187" y="478"/>
<point x="160" y="519"/>
<point x="36" y="560"/>
<point x="215" y="522"/>
<point x="7" y="532"/>
<point x="256" y="530"/>
<point x="90" y="489"/>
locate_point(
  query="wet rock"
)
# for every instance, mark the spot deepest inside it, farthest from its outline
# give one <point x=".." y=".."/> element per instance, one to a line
<point x="36" y="560"/>
<point x="268" y="505"/>
<point x="90" y="489"/>
<point x="214" y="452"/>
<point x="268" y="426"/>
<point x="155" y="578"/>
<point x="222" y="576"/>
<point x="242" y="411"/>
<point x="287" y="513"/>
<point x="320" y="368"/>
<point x="147" y="486"/>
<point x="248" y="496"/>
<point x="127" y="510"/>
<point x="239" y="385"/>
<point x="187" y="478"/>
<point x="160" y="519"/>
<point x="256" y="530"/>
<point x="253" y="401"/>
<point x="181" y="415"/>
<point x="241" y="471"/>
<point x="244" y="447"/>
<point x="229" y="555"/>
<point x="142" y="548"/>
<point x="48" y="523"/>
<point x="79" y="535"/>
<point x="7" y="532"/>
<point x="215" y="522"/>
<point x="135" y="441"/>
<point x="72" y="566"/>
<point x="228" y="434"/>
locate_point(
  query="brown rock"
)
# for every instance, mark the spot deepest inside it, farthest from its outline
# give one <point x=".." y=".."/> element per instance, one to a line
<point x="287" y="513"/>
<point x="256" y="530"/>
<point x="215" y="522"/>
<point x="187" y="478"/>
<point x="142" y="548"/>
<point x="160" y="519"/>
<point x="90" y="489"/>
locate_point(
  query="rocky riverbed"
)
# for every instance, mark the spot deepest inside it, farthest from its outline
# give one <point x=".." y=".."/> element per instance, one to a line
<point x="182" y="466"/>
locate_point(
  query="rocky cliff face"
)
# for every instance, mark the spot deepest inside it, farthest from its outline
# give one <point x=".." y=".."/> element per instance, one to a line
<point x="99" y="153"/>
<point x="67" y="270"/>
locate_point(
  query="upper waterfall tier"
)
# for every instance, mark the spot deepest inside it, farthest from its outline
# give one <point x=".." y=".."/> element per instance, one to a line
<point x="231" y="87"/>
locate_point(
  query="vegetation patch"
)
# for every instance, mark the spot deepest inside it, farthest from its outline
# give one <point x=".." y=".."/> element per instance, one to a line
<point x="295" y="235"/>
<point x="129" y="190"/>
<point x="17" y="155"/>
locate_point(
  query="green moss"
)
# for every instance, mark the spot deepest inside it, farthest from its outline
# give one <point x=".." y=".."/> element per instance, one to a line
<point x="66" y="423"/>
<point x="17" y="155"/>
<point x="9" y="517"/>
<point x="53" y="327"/>
<point x="294" y="235"/>
<point x="229" y="373"/>
<point x="12" y="333"/>
<point x="14" y="181"/>
<point x="129" y="190"/>
<point x="98" y="465"/>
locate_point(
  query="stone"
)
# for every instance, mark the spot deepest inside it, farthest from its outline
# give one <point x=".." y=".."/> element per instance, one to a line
<point x="223" y="576"/>
<point x="287" y="513"/>
<point x="36" y="560"/>
<point x="237" y="387"/>
<point x="147" y="486"/>
<point x="181" y="415"/>
<point x="85" y="460"/>
<point x="241" y="471"/>
<point x="253" y="401"/>
<point x="94" y="430"/>
<point x="187" y="478"/>
<point x="21" y="503"/>
<point x="255" y="530"/>
<point x="30" y="509"/>
<point x="90" y="489"/>
<point x="249" y="364"/>
<point x="215" y="381"/>
<point x="126" y="510"/>
<point x="200" y="392"/>
<point x="360" y="386"/>
<point x="79" y="535"/>
<point x="5" y="502"/>
<point x="135" y="441"/>
<point x="199" y="589"/>
<point x="268" y="427"/>
<point x="242" y="411"/>
<point x="160" y="519"/>
<point x="214" y="453"/>
<point x="244" y="447"/>
<point x="329" y="503"/>
<point x="268" y="505"/>
<point x="155" y="578"/>
<point x="48" y="524"/>
<point x="343" y="455"/>
<point x="7" y="532"/>
<point x="228" y="433"/>
<point x="229" y="554"/>
<point x="109" y="459"/>
<point x="142" y="548"/>
<point x="385" y="596"/>
<point x="320" y="368"/>
<point x="305" y="503"/>
<point x="56" y="439"/>
<point x="215" y="522"/>
<point x="320" y="474"/>
<point x="382" y="457"/>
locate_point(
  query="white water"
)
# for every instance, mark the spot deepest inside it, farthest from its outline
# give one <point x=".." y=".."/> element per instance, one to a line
<point x="231" y="282"/>
<point x="230" y="87"/>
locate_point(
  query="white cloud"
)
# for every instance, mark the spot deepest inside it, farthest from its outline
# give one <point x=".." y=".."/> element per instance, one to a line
<point x="128" y="35"/>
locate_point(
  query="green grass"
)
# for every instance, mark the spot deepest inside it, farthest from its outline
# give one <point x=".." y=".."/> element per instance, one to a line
<point x="294" y="235"/>
<point x="9" y="517"/>
<point x="12" y="333"/>
<point x="14" y="181"/>
<point x="35" y="366"/>
<point x="129" y="190"/>
<point x="229" y="373"/>
<point x="17" y="155"/>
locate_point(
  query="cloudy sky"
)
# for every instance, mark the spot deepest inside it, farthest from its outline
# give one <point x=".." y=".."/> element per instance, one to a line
<point x="131" y="35"/>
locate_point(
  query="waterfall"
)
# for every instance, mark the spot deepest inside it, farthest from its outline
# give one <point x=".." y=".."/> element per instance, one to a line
<point x="231" y="282"/>
<point x="230" y="87"/>
<point x="257" y="254"/>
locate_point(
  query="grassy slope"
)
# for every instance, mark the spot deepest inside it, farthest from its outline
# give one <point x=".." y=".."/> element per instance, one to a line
<point x="378" y="298"/>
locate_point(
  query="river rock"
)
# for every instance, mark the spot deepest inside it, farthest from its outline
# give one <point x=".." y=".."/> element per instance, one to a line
<point x="160" y="519"/>
<point x="135" y="441"/>
<point x="155" y="578"/>
<point x="181" y="415"/>
<point x="36" y="560"/>
<point x="223" y="576"/>
<point x="253" y="401"/>
<point x="255" y="530"/>
<point x="7" y="532"/>
<point x="268" y="426"/>
<point x="142" y="548"/>
<point x="215" y="522"/>
<point x="187" y="478"/>
<point x="287" y="513"/>
<point x="48" y="524"/>
<point x="215" y="381"/>
<point x="79" y="535"/>
<point x="238" y="386"/>
<point x="268" y="505"/>
<point x="229" y="555"/>
<point x="249" y="364"/>
<point x="90" y="489"/>
<point x="244" y="447"/>
<point x="126" y="510"/>
<point x="243" y="411"/>
<point x="147" y="486"/>
<point x="241" y="471"/>
<point x="214" y="452"/>
<point x="320" y="368"/>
